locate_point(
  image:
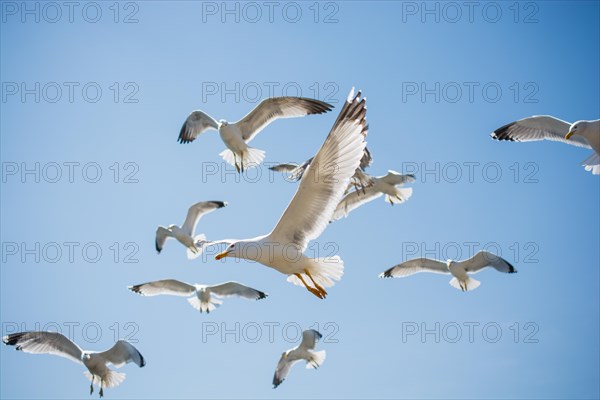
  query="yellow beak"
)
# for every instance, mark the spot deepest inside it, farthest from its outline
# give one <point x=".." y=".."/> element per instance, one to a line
<point x="221" y="255"/>
<point x="568" y="135"/>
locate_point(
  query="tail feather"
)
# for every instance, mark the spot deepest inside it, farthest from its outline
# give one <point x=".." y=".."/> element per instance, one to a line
<point x="109" y="380"/>
<point x="465" y="286"/>
<point x="592" y="163"/>
<point x="323" y="270"/>
<point x="199" y="240"/>
<point x="204" y="306"/>
<point x="249" y="158"/>
<point x="318" y="358"/>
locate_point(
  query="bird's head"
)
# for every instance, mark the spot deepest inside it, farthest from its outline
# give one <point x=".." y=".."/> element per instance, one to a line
<point x="223" y="122"/>
<point x="576" y="128"/>
<point x="172" y="226"/>
<point x="233" y="250"/>
<point x="284" y="355"/>
<point x="86" y="356"/>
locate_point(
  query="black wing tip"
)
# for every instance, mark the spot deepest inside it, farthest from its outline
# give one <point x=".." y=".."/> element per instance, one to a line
<point x="511" y="268"/>
<point x="136" y="289"/>
<point x="387" y="274"/>
<point x="13" y="339"/>
<point x="277" y="382"/>
<point x="142" y="359"/>
<point x="503" y="133"/>
<point x="262" y="295"/>
<point x="219" y="204"/>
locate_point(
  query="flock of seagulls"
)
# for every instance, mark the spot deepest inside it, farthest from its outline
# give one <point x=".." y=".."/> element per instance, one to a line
<point x="332" y="183"/>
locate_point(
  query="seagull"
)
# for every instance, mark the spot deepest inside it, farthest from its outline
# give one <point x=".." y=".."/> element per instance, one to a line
<point x="57" y="344"/>
<point x="460" y="270"/>
<point x="306" y="217"/>
<point x="581" y="133"/>
<point x="305" y="351"/>
<point x="359" y="179"/>
<point x="387" y="184"/>
<point x="204" y="296"/>
<point x="237" y="135"/>
<point x="184" y="234"/>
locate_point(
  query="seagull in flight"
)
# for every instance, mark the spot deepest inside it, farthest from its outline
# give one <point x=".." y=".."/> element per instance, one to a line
<point x="184" y="234"/>
<point x="305" y="351"/>
<point x="581" y="133"/>
<point x="59" y="345"/>
<point x="460" y="270"/>
<point x="387" y="184"/>
<point x="205" y="298"/>
<point x="237" y="135"/>
<point x="306" y="217"/>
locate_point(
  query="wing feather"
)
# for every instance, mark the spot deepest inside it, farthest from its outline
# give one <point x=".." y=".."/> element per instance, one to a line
<point x="354" y="200"/>
<point x="196" y="211"/>
<point x="539" y="127"/>
<point x="322" y="185"/>
<point x="44" y="343"/>
<point x="196" y="123"/>
<point x="484" y="259"/>
<point x="164" y="287"/>
<point x="122" y="353"/>
<point x="414" y="266"/>
<point x="162" y="234"/>
<point x="278" y="107"/>
<point x="309" y="339"/>
<point x="236" y="289"/>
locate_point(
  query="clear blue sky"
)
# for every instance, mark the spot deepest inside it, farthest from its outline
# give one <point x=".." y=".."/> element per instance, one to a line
<point x="542" y="211"/>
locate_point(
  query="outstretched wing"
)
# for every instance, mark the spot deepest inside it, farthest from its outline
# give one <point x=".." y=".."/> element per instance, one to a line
<point x="198" y="210"/>
<point x="354" y="200"/>
<point x="278" y="107"/>
<point x="484" y="259"/>
<point x="162" y="234"/>
<point x="237" y="289"/>
<point x="309" y="339"/>
<point x="196" y="123"/>
<point x="122" y="353"/>
<point x="538" y="127"/>
<point x="366" y="160"/>
<point x="414" y="266"/>
<point x="283" y="369"/>
<point x="323" y="184"/>
<point x="44" y="343"/>
<point x="166" y="286"/>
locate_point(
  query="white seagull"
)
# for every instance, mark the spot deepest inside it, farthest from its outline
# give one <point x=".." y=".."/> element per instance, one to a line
<point x="311" y="208"/>
<point x="581" y="133"/>
<point x="387" y="184"/>
<point x="237" y="135"/>
<point x="185" y="234"/>
<point x="305" y="351"/>
<point x="57" y="344"/>
<point x="460" y="270"/>
<point x="205" y="298"/>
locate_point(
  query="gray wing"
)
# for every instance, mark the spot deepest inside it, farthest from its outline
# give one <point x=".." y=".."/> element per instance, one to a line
<point x="162" y="234"/>
<point x="283" y="369"/>
<point x="122" y="353"/>
<point x="196" y="123"/>
<point x="414" y="266"/>
<point x="395" y="178"/>
<point x="278" y="107"/>
<point x="166" y="286"/>
<point x="237" y="289"/>
<point x="484" y="259"/>
<point x="296" y="171"/>
<point x="538" y="127"/>
<point x="198" y="210"/>
<point x="44" y="343"/>
<point x="354" y="200"/>
<point x="287" y="167"/>
<point x="309" y="339"/>
<point x="322" y="185"/>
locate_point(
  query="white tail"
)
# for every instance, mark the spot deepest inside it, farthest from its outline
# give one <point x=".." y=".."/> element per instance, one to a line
<point x="465" y="286"/>
<point x="592" y="163"/>
<point x="199" y="240"/>
<point x="318" y="358"/>
<point x="204" y="306"/>
<point x="402" y="194"/>
<point x="249" y="158"/>
<point x="109" y="380"/>
<point x="323" y="270"/>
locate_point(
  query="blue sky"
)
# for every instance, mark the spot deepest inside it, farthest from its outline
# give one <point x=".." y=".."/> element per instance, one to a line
<point x="435" y="90"/>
